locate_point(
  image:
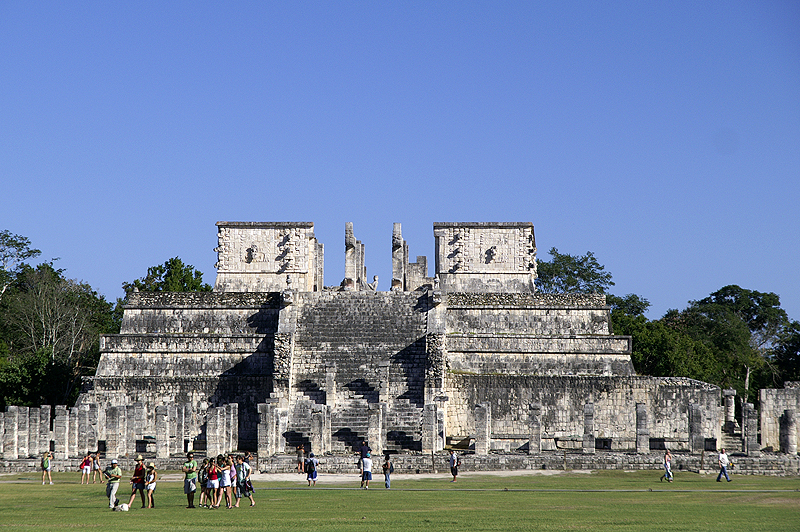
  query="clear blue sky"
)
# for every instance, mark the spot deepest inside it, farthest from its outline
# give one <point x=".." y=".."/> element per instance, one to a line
<point x="662" y="136"/>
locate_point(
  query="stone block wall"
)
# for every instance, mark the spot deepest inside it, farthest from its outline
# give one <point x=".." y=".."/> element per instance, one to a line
<point x="774" y="404"/>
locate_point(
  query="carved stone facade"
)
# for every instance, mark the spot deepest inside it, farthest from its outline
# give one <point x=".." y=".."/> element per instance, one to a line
<point x="472" y="356"/>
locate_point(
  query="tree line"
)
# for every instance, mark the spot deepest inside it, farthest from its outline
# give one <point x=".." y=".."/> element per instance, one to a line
<point x="50" y="326"/>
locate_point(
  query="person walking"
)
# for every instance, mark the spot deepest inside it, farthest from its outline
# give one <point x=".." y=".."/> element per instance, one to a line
<point x="47" y="467"/>
<point x="723" y="466"/>
<point x="311" y="466"/>
<point x="667" y="467"/>
<point x="150" y="479"/>
<point x="388" y="469"/>
<point x="244" y="486"/>
<point x="137" y="482"/>
<point x="113" y="473"/>
<point x="454" y="463"/>
<point x="366" y="471"/>
<point x="190" y="478"/>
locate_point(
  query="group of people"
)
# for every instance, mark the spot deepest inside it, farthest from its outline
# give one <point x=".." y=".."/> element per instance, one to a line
<point x="143" y="480"/>
<point x="226" y="476"/>
<point x="722" y="459"/>
<point x="366" y="464"/>
<point x="90" y="466"/>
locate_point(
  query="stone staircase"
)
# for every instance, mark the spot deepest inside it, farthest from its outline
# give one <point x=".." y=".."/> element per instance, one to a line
<point x="731" y="440"/>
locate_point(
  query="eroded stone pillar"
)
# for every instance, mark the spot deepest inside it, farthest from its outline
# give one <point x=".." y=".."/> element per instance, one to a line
<point x="750" y="430"/>
<point x="231" y="427"/>
<point x="92" y="429"/>
<point x="162" y="431"/>
<point x="83" y="430"/>
<point x="375" y="432"/>
<point x="128" y="447"/>
<point x="429" y="428"/>
<point x="535" y="429"/>
<point x="729" y="397"/>
<point x="72" y="432"/>
<point x="22" y="431"/>
<point x="11" y="436"/>
<point x="483" y="428"/>
<point x="788" y="432"/>
<point x="317" y="430"/>
<point x="112" y="431"/>
<point x="33" y="431"/>
<point x="330" y="385"/>
<point x="588" y="428"/>
<point x="642" y="429"/>
<point x="44" y="428"/>
<point x="696" y="438"/>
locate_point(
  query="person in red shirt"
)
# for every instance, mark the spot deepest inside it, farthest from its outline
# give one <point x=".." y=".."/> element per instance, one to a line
<point x="137" y="482"/>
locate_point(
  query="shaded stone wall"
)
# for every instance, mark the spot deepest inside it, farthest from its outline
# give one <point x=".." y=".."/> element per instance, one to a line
<point x="774" y="404"/>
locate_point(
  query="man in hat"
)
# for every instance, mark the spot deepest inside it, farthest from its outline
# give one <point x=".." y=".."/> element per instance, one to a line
<point x="137" y="481"/>
<point x="190" y="479"/>
<point x="113" y="473"/>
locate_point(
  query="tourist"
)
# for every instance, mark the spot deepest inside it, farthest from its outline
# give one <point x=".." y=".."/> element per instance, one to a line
<point x="311" y="466"/>
<point x="96" y="473"/>
<point x="723" y="466"/>
<point x="113" y="473"/>
<point x="190" y="478"/>
<point x="86" y="467"/>
<point x="47" y="466"/>
<point x="244" y="486"/>
<point x="205" y="497"/>
<point x="366" y="471"/>
<point x="151" y="477"/>
<point x="388" y="469"/>
<point x="224" y="481"/>
<point x="364" y="450"/>
<point x="137" y="481"/>
<point x="454" y="463"/>
<point x="213" y="483"/>
<point x="300" y="458"/>
<point x="667" y="467"/>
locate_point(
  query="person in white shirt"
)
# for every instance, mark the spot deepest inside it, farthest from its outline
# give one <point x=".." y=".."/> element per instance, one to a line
<point x="366" y="471"/>
<point x="723" y="466"/>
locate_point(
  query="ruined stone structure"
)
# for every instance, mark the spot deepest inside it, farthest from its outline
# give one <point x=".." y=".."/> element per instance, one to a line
<point x="473" y="356"/>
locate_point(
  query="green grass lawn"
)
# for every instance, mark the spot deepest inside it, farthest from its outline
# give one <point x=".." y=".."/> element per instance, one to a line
<point x="607" y="500"/>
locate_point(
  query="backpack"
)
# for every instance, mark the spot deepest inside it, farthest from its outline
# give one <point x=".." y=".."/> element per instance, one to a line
<point x="310" y="467"/>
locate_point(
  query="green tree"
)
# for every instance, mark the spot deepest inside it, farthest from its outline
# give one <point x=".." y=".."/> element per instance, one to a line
<point x="172" y="276"/>
<point x="786" y="352"/>
<point x="14" y="250"/>
<point x="569" y="273"/>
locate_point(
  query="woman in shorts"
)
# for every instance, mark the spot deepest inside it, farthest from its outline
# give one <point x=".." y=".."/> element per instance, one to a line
<point x="150" y="479"/>
<point x="224" y="481"/>
<point x="213" y="483"/>
<point x="96" y="472"/>
<point x="86" y="468"/>
<point x="47" y="466"/>
<point x="202" y="477"/>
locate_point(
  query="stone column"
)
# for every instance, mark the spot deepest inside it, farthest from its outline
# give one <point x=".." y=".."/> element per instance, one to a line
<point x="588" y="428"/>
<point x="190" y="423"/>
<point x="2" y="433"/>
<point x="93" y="420"/>
<point x="750" y="430"/>
<point x="44" y="428"/>
<point x="383" y="380"/>
<point x="697" y="443"/>
<point x="351" y="252"/>
<point x="180" y="430"/>
<point x="283" y="426"/>
<point x="112" y="431"/>
<point x="642" y="430"/>
<point x="435" y="360"/>
<point x="375" y="433"/>
<point x="327" y="429"/>
<point x="330" y="385"/>
<point x="788" y="432"/>
<point x="398" y="258"/>
<point x="535" y="429"/>
<point x="22" y="431"/>
<point x="317" y="431"/>
<point x="140" y="421"/>
<point x="11" y="436"/>
<point x="441" y="422"/>
<point x="429" y="426"/>
<point x="265" y="431"/>
<point x="730" y="410"/>
<point x="231" y="427"/>
<point x="83" y="430"/>
<point x="162" y="431"/>
<point x="483" y="428"/>
<point x="72" y="433"/>
<point x="33" y="431"/>
<point x="129" y="435"/>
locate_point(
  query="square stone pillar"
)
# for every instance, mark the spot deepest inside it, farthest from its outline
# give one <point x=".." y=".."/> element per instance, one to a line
<point x="232" y="429"/>
<point x="750" y="430"/>
<point x="317" y="431"/>
<point x="375" y="430"/>
<point x="383" y="381"/>
<point x="283" y="426"/>
<point x="44" y="429"/>
<point x="72" y="433"/>
<point x="139" y="419"/>
<point x="180" y="430"/>
<point x="330" y="385"/>
<point x="22" y="431"/>
<point x="588" y="429"/>
<point x="128" y="447"/>
<point x="191" y="425"/>
<point x="112" y="431"/>
<point x="788" y="432"/>
<point x="162" y="431"/>
<point x="697" y="443"/>
<point x="429" y="428"/>
<point x="92" y="429"/>
<point x="11" y="436"/>
<point x="83" y="430"/>
<point x="642" y="429"/>
<point x="535" y="429"/>
<point x="172" y="420"/>
<point x="483" y="428"/>
<point x="33" y="431"/>
<point x="2" y="432"/>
